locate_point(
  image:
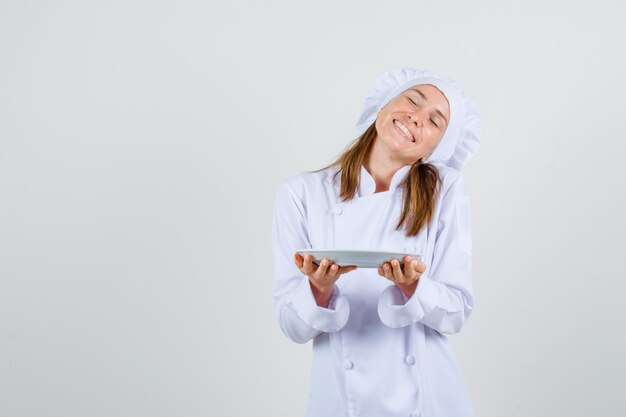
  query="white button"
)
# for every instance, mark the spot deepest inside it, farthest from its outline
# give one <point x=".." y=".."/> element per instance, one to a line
<point x="409" y="360"/>
<point x="338" y="210"/>
<point x="418" y="414"/>
<point x="347" y="364"/>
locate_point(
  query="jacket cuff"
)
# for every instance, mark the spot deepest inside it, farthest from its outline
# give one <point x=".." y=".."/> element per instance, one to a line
<point x="396" y="310"/>
<point x="330" y="319"/>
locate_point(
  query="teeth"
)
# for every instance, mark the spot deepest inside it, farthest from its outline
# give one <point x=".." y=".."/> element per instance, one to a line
<point x="403" y="129"/>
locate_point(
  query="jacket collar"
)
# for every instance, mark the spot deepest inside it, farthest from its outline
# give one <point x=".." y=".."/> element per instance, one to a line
<point x="367" y="185"/>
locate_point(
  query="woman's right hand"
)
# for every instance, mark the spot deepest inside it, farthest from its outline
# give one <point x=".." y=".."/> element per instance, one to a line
<point x="322" y="277"/>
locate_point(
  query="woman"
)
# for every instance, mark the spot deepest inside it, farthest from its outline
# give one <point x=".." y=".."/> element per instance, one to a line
<point x="379" y="336"/>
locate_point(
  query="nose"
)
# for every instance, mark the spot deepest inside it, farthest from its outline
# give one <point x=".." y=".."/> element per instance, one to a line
<point x="416" y="119"/>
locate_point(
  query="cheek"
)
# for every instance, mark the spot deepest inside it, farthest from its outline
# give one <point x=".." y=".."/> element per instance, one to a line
<point x="434" y="138"/>
<point x="382" y="123"/>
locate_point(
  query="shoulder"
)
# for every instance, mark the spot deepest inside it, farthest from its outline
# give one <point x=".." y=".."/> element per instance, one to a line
<point x="297" y="190"/>
<point x="299" y="184"/>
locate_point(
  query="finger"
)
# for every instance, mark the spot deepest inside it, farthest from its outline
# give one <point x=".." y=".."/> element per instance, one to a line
<point x="415" y="265"/>
<point x="409" y="269"/>
<point x="420" y="267"/>
<point x="381" y="271"/>
<point x="321" y="270"/>
<point x="388" y="272"/>
<point x="347" y="268"/>
<point x="309" y="268"/>
<point x="397" y="271"/>
<point x="332" y="271"/>
<point x="298" y="259"/>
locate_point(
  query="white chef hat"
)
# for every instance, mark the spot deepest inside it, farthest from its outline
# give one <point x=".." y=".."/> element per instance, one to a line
<point x="462" y="136"/>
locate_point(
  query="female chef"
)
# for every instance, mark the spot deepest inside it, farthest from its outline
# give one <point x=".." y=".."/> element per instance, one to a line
<point x="379" y="336"/>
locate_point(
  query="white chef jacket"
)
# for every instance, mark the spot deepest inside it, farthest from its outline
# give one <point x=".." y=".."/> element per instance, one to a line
<point x="376" y="353"/>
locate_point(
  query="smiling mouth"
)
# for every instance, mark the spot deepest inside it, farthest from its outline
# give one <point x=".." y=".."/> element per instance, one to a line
<point x="404" y="130"/>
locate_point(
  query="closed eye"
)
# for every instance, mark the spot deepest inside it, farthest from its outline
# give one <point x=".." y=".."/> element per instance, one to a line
<point x="431" y="120"/>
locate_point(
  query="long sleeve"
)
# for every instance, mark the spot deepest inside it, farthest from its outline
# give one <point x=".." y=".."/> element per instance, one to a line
<point x="443" y="298"/>
<point x="299" y="316"/>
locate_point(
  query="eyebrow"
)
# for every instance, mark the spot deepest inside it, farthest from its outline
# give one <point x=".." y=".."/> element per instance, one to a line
<point x="425" y="99"/>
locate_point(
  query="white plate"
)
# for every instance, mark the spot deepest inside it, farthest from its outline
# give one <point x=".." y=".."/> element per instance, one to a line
<point x="360" y="258"/>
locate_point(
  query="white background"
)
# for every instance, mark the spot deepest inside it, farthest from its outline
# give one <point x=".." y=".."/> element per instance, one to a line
<point x="141" y="143"/>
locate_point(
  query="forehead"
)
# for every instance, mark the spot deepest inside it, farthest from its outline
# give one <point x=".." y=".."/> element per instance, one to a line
<point x="432" y="94"/>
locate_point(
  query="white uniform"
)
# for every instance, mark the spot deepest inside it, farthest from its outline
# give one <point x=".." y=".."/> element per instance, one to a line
<point x="375" y="352"/>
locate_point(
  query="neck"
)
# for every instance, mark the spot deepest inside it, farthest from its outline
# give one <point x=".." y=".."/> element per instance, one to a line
<point x="381" y="166"/>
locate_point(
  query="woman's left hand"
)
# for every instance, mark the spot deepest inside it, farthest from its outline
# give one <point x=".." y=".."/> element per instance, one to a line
<point x="406" y="277"/>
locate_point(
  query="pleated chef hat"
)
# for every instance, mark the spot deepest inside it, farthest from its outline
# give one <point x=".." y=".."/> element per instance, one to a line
<point x="461" y="139"/>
